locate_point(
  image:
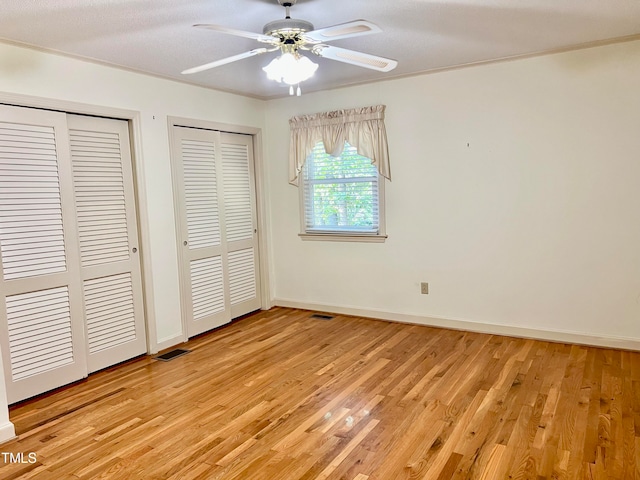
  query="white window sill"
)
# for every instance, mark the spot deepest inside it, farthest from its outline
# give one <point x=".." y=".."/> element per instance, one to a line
<point x="344" y="237"/>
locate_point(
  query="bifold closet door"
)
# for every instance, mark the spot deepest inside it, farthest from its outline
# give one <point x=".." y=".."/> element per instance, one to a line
<point x="41" y="331"/>
<point x="70" y="286"/>
<point x="213" y="182"/>
<point x="240" y="222"/>
<point x="108" y="240"/>
<point x="197" y="173"/>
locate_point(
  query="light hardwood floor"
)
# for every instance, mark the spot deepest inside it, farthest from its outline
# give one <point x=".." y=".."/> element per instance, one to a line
<point x="280" y="395"/>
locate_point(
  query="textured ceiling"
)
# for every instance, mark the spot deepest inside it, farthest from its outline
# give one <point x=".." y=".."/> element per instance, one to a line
<point x="157" y="37"/>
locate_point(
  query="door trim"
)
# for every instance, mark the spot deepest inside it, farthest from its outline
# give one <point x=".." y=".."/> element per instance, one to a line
<point x="133" y="118"/>
<point x="256" y="137"/>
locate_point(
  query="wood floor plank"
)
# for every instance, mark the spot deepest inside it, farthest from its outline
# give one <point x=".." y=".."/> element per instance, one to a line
<point x="279" y="394"/>
<point x="492" y="466"/>
<point x="637" y="454"/>
<point x="348" y="448"/>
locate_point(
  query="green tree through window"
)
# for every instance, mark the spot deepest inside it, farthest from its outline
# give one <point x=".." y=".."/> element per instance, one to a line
<point x="340" y="193"/>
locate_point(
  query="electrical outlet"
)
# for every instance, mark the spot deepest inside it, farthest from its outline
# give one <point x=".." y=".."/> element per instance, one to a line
<point x="424" y="288"/>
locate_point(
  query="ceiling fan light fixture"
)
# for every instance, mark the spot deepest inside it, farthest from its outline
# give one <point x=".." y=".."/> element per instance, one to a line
<point x="290" y="68"/>
<point x="290" y="36"/>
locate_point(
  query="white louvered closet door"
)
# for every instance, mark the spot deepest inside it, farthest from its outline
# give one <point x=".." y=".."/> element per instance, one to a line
<point x="198" y="171"/>
<point x="41" y="301"/>
<point x="214" y="185"/>
<point x="240" y="222"/>
<point x="108" y="240"/>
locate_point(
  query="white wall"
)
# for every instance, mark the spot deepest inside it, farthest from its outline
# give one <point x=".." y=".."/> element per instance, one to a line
<point x="515" y="193"/>
<point x="32" y="73"/>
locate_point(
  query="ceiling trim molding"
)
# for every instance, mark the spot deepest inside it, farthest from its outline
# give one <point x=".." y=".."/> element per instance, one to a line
<point x="555" y="51"/>
<point x="52" y="51"/>
<point x="569" y="48"/>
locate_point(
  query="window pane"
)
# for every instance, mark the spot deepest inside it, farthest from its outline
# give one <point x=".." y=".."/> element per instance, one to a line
<point x="341" y="193"/>
<point x="321" y="166"/>
<point x="343" y="206"/>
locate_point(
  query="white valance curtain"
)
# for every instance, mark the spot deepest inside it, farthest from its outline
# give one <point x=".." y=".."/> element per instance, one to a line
<point x="363" y="128"/>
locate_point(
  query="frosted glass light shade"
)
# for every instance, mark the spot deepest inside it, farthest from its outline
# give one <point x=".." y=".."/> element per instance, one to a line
<point x="290" y="68"/>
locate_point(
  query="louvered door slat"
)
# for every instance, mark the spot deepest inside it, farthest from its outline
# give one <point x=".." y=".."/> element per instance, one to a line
<point x="34" y="258"/>
<point x="90" y="222"/>
<point x="97" y="246"/>
<point x="31" y="200"/>
<point x="109" y="319"/>
<point x="35" y="310"/>
<point x="14" y="177"/>
<point x="106" y="289"/>
<point x="114" y="331"/>
<point x="36" y="249"/>
<point x="107" y="204"/>
<point x="27" y="330"/>
<point x="107" y="314"/>
<point x="113" y="233"/>
<point x="39" y="296"/>
<point x="28" y="160"/>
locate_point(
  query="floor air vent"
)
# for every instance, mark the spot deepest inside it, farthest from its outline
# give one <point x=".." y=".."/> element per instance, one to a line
<point x="165" y="357"/>
<point x="321" y="316"/>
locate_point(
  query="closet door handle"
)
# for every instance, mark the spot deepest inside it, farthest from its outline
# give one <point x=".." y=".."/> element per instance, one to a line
<point x="185" y="243"/>
<point x="134" y="249"/>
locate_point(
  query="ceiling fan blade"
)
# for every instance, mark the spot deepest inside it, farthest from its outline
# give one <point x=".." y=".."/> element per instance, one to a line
<point x="344" y="30"/>
<point x="217" y="63"/>
<point x="238" y="33"/>
<point x="355" y="58"/>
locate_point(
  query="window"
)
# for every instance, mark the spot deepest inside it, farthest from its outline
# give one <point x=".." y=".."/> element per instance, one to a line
<point x="341" y="196"/>
<point x="341" y="193"/>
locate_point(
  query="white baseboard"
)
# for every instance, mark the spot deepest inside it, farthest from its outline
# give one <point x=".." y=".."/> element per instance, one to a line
<point x="7" y="432"/>
<point x="490" y="328"/>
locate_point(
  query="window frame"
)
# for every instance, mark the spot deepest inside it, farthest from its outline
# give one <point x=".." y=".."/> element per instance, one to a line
<point x="344" y="236"/>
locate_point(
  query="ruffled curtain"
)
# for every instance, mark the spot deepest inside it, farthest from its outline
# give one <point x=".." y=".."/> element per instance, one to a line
<point x="363" y="128"/>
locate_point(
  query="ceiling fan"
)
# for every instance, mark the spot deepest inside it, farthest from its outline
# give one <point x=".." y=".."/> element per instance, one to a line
<point x="291" y="36"/>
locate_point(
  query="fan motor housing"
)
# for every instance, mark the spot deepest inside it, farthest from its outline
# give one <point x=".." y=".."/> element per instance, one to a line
<point x="287" y="26"/>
